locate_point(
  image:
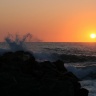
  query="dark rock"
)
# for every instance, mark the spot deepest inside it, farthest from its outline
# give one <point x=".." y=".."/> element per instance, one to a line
<point x="48" y="69"/>
<point x="60" y="66"/>
<point x="22" y="74"/>
<point x="21" y="55"/>
<point x="71" y="76"/>
<point x="55" y="87"/>
<point x="7" y="57"/>
<point x="82" y="92"/>
<point x="29" y="67"/>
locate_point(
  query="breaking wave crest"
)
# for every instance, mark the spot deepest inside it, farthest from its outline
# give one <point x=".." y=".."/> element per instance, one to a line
<point x="85" y="72"/>
<point x="16" y="43"/>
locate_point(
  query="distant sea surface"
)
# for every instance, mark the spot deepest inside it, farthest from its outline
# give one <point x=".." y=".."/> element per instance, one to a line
<point x="79" y="58"/>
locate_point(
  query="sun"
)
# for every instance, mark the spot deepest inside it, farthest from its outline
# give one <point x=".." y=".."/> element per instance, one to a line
<point x="93" y="36"/>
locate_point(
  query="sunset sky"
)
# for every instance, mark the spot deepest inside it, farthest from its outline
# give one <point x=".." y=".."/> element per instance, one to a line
<point x="49" y="20"/>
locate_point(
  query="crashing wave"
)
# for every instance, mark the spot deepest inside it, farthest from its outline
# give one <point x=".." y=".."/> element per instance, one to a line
<point x="16" y="43"/>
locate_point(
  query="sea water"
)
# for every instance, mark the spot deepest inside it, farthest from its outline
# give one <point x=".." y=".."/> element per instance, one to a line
<point x="52" y="51"/>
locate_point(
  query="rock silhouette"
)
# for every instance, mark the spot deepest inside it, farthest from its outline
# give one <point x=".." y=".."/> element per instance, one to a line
<point x="21" y="74"/>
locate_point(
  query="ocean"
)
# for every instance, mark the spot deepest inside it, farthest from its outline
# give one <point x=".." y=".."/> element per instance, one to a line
<point x="79" y="58"/>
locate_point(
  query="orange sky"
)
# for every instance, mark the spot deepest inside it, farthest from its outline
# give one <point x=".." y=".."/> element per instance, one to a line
<point x="49" y="20"/>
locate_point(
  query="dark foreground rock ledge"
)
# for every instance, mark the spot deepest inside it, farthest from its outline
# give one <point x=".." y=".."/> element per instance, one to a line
<point x="21" y="74"/>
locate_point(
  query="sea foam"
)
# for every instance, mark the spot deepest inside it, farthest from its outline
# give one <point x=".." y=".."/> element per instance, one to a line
<point x="85" y="72"/>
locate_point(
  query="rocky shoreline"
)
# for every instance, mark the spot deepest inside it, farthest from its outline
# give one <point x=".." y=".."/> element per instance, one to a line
<point x="21" y="74"/>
